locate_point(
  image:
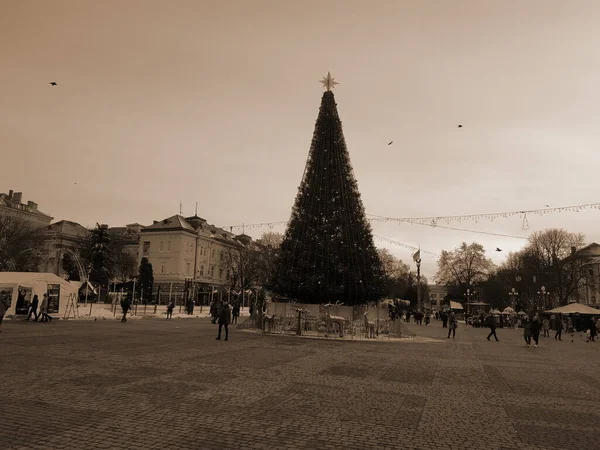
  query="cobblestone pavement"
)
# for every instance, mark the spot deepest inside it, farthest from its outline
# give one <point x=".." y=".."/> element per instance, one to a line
<point x="158" y="384"/>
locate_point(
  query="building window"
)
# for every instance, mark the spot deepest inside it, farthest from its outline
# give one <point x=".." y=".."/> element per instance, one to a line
<point x="212" y="271"/>
<point x="221" y="255"/>
<point x="228" y="274"/>
<point x="220" y="273"/>
<point x="162" y="268"/>
<point x="162" y="246"/>
<point x="213" y="253"/>
<point x="168" y="246"/>
<point x="188" y="268"/>
<point x="146" y="249"/>
<point x="201" y="271"/>
<point x="592" y="272"/>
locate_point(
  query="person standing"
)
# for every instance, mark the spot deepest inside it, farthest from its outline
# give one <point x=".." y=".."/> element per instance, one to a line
<point x="546" y="327"/>
<point x="235" y="312"/>
<point x="125" y="306"/>
<point x="214" y="310"/>
<point x="535" y="329"/>
<point x="170" y="308"/>
<point x="444" y="319"/>
<point x="452" y="326"/>
<point x="224" y="319"/>
<point x="4" y="305"/>
<point x="33" y="308"/>
<point x="44" y="310"/>
<point x="558" y="323"/>
<point x="527" y="330"/>
<point x="492" y="325"/>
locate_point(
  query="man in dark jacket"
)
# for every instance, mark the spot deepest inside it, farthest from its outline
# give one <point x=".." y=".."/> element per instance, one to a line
<point x="224" y="319"/>
<point x="125" y="306"/>
<point x="214" y="311"/>
<point x="33" y="308"/>
<point x="492" y="325"/>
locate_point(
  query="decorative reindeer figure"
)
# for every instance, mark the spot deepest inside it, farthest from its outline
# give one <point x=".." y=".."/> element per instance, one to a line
<point x="329" y="319"/>
<point x="369" y="326"/>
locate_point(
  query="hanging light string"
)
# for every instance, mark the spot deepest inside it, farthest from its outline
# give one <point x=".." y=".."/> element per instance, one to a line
<point x="434" y="220"/>
<point x="401" y="244"/>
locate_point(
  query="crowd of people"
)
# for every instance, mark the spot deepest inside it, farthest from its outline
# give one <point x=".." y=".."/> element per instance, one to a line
<point x="532" y="324"/>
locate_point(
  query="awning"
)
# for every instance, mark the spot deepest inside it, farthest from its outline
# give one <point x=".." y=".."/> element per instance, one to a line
<point x="455" y="305"/>
<point x="575" y="308"/>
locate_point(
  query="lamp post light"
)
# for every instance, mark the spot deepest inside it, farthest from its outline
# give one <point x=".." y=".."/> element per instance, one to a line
<point x="469" y="295"/>
<point x="513" y="293"/>
<point x="542" y="292"/>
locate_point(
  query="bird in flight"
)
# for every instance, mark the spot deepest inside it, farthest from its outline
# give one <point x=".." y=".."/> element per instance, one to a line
<point x="390" y="143"/>
<point x="547" y="206"/>
<point x="498" y="249"/>
<point x="53" y="83"/>
<point x="460" y="126"/>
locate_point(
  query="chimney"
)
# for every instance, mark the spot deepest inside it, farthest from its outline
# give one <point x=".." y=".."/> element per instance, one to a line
<point x="17" y="196"/>
<point x="10" y="193"/>
<point x="31" y="206"/>
<point x="154" y="222"/>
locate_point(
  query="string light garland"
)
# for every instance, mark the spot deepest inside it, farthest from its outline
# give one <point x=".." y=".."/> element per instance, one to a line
<point x="401" y="244"/>
<point x="433" y="221"/>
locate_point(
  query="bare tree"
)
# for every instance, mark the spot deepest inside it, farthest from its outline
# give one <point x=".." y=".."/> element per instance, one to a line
<point x="560" y="260"/>
<point x="266" y="251"/>
<point x="124" y="265"/>
<point x="21" y="245"/>
<point x="464" y="266"/>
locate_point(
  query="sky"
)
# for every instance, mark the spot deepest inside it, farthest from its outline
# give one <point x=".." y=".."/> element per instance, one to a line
<point x="214" y="103"/>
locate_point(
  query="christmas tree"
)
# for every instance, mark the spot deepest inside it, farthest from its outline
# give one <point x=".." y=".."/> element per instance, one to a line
<point x="328" y="254"/>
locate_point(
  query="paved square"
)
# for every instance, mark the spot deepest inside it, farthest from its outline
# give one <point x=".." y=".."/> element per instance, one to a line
<point x="158" y="384"/>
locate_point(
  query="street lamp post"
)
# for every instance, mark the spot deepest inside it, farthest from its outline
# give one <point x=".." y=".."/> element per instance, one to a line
<point x="542" y="293"/>
<point x="513" y="293"/>
<point x="469" y="295"/>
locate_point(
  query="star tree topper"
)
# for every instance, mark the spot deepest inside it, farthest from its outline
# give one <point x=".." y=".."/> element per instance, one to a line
<point x="329" y="82"/>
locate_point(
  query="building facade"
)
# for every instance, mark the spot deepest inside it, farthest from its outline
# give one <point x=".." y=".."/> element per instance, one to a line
<point x="181" y="249"/>
<point x="61" y="238"/>
<point x="437" y="293"/>
<point x="589" y="288"/>
<point x="11" y="204"/>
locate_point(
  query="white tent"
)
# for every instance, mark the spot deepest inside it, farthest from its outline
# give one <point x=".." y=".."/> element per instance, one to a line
<point x="508" y="310"/>
<point x="575" y="308"/>
<point x="495" y="311"/>
<point x="31" y="283"/>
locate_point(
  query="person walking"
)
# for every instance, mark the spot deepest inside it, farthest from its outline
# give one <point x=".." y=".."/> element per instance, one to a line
<point x="558" y="323"/>
<point x="527" y="330"/>
<point x="235" y="312"/>
<point x="444" y="320"/>
<point x="33" y="308"/>
<point x="125" y="306"/>
<point x="224" y="319"/>
<point x="44" y="310"/>
<point x="536" y="326"/>
<point x="452" y="325"/>
<point x="546" y="327"/>
<point x="170" y="308"/>
<point x="492" y="325"/>
<point x="593" y="330"/>
<point x="4" y="304"/>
